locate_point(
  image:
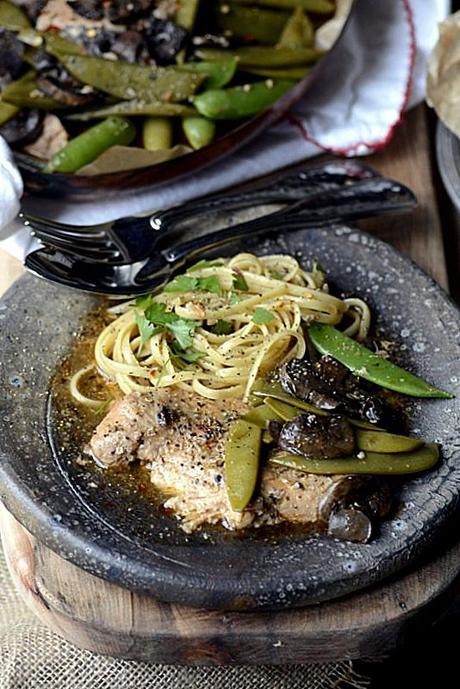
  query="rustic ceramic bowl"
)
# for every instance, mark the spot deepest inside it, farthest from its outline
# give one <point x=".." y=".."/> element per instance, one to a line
<point x="97" y="186"/>
<point x="79" y="513"/>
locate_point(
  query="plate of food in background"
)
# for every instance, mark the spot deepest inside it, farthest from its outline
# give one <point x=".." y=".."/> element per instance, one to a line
<point x="275" y="427"/>
<point x="98" y="96"/>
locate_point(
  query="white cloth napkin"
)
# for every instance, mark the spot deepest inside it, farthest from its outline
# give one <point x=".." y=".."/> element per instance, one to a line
<point x="378" y="72"/>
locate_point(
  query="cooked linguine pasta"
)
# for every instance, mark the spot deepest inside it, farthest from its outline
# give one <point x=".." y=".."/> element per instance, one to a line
<point x="217" y="328"/>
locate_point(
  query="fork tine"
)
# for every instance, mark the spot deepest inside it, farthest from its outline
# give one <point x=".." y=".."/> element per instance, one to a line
<point x="96" y="255"/>
<point x="91" y="245"/>
<point x="63" y="230"/>
<point x="33" y="219"/>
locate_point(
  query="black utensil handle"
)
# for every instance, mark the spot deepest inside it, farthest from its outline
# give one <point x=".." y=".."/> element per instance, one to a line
<point x="371" y="197"/>
<point x="285" y="189"/>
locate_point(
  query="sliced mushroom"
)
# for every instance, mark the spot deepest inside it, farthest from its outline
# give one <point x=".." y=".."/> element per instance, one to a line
<point x="350" y="525"/>
<point x="317" y="436"/>
<point x="11" y="52"/>
<point x="51" y="140"/>
<point x="164" y="39"/>
<point x="23" y="128"/>
<point x="329" y="385"/>
<point x="120" y="12"/>
<point x="90" y="9"/>
<point x="60" y="85"/>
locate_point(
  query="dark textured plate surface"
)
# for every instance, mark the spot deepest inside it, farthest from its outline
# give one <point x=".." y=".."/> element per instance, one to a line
<point x="90" y="524"/>
<point x="448" y="158"/>
<point x="97" y="186"/>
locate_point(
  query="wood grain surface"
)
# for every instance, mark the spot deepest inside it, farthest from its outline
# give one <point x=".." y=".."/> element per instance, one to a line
<point x="101" y="616"/>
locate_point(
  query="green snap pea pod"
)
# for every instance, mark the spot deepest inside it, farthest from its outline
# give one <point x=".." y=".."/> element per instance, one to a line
<point x="131" y="108"/>
<point x="242" y="451"/>
<point x="25" y="93"/>
<point x="218" y="73"/>
<point x="199" y="131"/>
<point x="7" y="111"/>
<point x="157" y="133"/>
<point x="186" y="13"/>
<point x="83" y="149"/>
<point x="292" y="73"/>
<point x="262" y="25"/>
<point x="261" y="56"/>
<point x="12" y="17"/>
<point x="260" y="416"/>
<point x="275" y="391"/>
<point x="315" y="6"/>
<point x="127" y="81"/>
<point x="370" y="441"/>
<point x="365" y="364"/>
<point x="298" y="31"/>
<point x="374" y="463"/>
<point x="240" y="101"/>
<point x="285" y="411"/>
<point x="58" y="45"/>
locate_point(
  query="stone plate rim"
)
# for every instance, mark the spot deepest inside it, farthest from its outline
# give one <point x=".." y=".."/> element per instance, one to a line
<point x="185" y="575"/>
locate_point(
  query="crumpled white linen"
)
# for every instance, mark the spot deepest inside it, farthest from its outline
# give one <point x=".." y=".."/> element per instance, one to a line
<point x="378" y="71"/>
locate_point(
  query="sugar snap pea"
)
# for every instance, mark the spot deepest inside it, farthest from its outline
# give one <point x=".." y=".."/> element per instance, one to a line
<point x="240" y="101"/>
<point x="261" y="56"/>
<point x="298" y="31"/>
<point x="260" y="416"/>
<point x="242" y="451"/>
<point x="186" y="13"/>
<point x="275" y="391"/>
<point x="131" y="108"/>
<point x="128" y="81"/>
<point x="365" y="364"/>
<point x="24" y="93"/>
<point x="293" y="73"/>
<point x="157" y="133"/>
<point x="262" y="25"/>
<point x="369" y="441"/>
<point x="218" y="73"/>
<point x="12" y="17"/>
<point x="374" y="463"/>
<point x="315" y="6"/>
<point x="7" y="111"/>
<point x="199" y="131"/>
<point x="83" y="149"/>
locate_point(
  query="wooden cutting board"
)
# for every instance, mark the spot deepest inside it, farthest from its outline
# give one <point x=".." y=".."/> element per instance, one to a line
<point x="100" y="616"/>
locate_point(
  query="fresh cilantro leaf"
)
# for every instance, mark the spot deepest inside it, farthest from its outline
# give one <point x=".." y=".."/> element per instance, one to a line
<point x="190" y="357"/>
<point x="183" y="331"/>
<point x="157" y="314"/>
<point x="146" y="329"/>
<point x="262" y="316"/>
<point x="210" y="284"/>
<point x="234" y="298"/>
<point x="182" y="283"/>
<point x="204" y="264"/>
<point x="143" y="301"/>
<point x="317" y="267"/>
<point x="239" y="282"/>
<point x="222" y="327"/>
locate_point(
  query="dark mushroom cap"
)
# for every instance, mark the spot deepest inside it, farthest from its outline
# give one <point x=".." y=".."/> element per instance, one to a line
<point x="11" y="52"/>
<point x="57" y="83"/>
<point x="318" y="436"/>
<point x="350" y="525"/>
<point x="23" y="128"/>
<point x="164" y="39"/>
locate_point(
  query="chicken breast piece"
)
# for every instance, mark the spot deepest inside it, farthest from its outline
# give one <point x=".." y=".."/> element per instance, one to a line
<point x="180" y="437"/>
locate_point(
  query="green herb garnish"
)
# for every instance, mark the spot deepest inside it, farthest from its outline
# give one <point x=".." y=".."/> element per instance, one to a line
<point x="157" y="319"/>
<point x="204" y="264"/>
<point x="146" y="329"/>
<point x="239" y="282"/>
<point x="262" y="316"/>
<point x="188" y="283"/>
<point x="143" y="301"/>
<point x="222" y="327"/>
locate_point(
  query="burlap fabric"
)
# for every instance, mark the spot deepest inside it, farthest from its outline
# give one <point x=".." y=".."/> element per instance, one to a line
<point x="33" y="657"/>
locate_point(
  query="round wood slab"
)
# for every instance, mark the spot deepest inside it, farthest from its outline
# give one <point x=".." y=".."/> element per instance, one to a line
<point x="123" y="540"/>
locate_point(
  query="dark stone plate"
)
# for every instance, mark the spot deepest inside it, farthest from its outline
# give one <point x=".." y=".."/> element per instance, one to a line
<point x="125" y="540"/>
